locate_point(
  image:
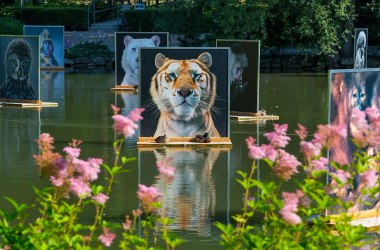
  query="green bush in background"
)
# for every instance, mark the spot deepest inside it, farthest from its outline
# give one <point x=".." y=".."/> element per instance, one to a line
<point x="11" y="26"/>
<point x="89" y="50"/>
<point x="73" y="18"/>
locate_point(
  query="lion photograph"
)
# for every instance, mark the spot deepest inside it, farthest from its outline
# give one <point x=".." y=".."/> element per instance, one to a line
<point x="184" y="92"/>
<point x="127" y="53"/>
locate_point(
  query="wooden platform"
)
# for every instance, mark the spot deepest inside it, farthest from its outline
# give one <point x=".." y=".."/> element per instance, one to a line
<point x="28" y="104"/>
<point x="52" y="68"/>
<point x="184" y="142"/>
<point x="254" y="118"/>
<point x="366" y="218"/>
<point x="126" y="88"/>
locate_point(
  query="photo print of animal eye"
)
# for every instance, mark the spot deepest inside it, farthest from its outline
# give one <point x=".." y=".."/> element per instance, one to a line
<point x="20" y="69"/>
<point x="184" y="92"/>
<point x="349" y="89"/>
<point x="51" y="45"/>
<point x="360" y="48"/>
<point x="127" y="46"/>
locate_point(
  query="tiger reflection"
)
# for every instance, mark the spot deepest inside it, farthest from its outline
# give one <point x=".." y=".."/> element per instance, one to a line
<point x="191" y="197"/>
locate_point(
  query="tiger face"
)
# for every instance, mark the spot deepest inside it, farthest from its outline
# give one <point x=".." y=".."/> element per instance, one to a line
<point x="184" y="88"/>
<point x="184" y="92"/>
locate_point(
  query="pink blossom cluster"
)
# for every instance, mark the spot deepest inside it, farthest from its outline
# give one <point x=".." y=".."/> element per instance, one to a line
<point x="365" y="127"/>
<point x="369" y="178"/>
<point x="68" y="173"/>
<point x="339" y="183"/>
<point x="166" y="170"/>
<point x="107" y="237"/>
<point x="149" y="197"/>
<point x="126" y="125"/>
<point x="285" y="164"/>
<point x="288" y="212"/>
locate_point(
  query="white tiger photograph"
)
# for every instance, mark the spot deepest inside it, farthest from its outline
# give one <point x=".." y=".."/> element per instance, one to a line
<point x="185" y="92"/>
<point x="127" y="53"/>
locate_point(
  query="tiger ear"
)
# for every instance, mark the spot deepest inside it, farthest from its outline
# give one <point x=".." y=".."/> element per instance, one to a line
<point x="205" y="58"/>
<point x="160" y="60"/>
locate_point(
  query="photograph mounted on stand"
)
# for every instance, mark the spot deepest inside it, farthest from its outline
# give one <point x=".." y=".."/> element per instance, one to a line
<point x="185" y="93"/>
<point x="127" y="46"/>
<point x="360" y="48"/>
<point x="51" y="45"/>
<point x="244" y="81"/>
<point x="20" y="71"/>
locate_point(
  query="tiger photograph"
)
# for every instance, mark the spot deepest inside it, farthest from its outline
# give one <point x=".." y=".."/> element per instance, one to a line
<point x="184" y="92"/>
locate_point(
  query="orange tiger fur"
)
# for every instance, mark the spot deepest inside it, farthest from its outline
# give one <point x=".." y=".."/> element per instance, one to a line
<point x="184" y="92"/>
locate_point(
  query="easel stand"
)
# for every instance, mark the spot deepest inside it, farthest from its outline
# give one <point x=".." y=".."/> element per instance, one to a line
<point x="126" y="88"/>
<point x="250" y="116"/>
<point x="26" y="103"/>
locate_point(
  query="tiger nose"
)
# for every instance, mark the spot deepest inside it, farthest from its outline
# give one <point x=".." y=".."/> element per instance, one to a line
<point x="184" y="92"/>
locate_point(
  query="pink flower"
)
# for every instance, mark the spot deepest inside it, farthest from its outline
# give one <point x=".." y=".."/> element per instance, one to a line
<point x="72" y="152"/>
<point x="318" y="165"/>
<point x="301" y="132"/>
<point x="88" y="169"/>
<point x="166" y="170"/>
<point x="45" y="142"/>
<point x="79" y="187"/>
<point x="135" y="115"/>
<point x="148" y="196"/>
<point x="115" y="109"/>
<point x="369" y="178"/>
<point x="373" y="115"/>
<point x="290" y="207"/>
<point x="137" y="212"/>
<point x="269" y="152"/>
<point x="329" y="135"/>
<point x="124" y="125"/>
<point x="360" y="129"/>
<point x="127" y="225"/>
<point x="58" y="182"/>
<point x="100" y="198"/>
<point x="107" y="237"/>
<point x="310" y="149"/>
<point x="255" y="152"/>
<point x="278" y="137"/>
<point x="339" y="183"/>
<point x="286" y="165"/>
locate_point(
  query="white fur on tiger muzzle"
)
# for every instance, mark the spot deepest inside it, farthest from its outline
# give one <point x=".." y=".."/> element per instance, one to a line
<point x="184" y="102"/>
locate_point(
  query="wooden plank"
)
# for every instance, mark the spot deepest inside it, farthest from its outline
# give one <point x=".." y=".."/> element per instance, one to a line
<point x="184" y="142"/>
<point x="151" y="149"/>
<point x="5" y="100"/>
<point x="255" y="118"/>
<point x="52" y="68"/>
<point x="122" y="88"/>
<point x="366" y="218"/>
<point x="29" y="105"/>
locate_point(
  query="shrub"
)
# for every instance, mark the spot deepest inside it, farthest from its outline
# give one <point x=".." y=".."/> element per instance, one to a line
<point x="11" y="26"/>
<point x="73" y="18"/>
<point x="88" y="49"/>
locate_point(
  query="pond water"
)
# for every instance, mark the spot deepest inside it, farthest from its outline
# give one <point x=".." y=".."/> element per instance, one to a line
<point x="204" y="189"/>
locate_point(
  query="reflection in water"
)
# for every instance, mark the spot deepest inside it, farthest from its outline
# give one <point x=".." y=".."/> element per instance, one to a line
<point x="191" y="197"/>
<point x="18" y="130"/>
<point x="52" y="86"/>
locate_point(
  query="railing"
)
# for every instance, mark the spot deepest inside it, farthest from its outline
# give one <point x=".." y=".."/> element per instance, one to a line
<point x="110" y="11"/>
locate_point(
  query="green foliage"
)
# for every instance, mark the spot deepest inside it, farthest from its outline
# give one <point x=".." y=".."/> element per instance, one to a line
<point x="88" y="49"/>
<point x="73" y="18"/>
<point x="137" y="20"/>
<point x="316" y="215"/>
<point x="11" y="26"/>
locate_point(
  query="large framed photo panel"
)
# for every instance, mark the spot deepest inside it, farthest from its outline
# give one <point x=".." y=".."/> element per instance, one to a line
<point x="51" y="45"/>
<point x="20" y="70"/>
<point x="350" y="88"/>
<point x="127" y="46"/>
<point x="185" y="92"/>
<point x="360" y="48"/>
<point x="244" y="74"/>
